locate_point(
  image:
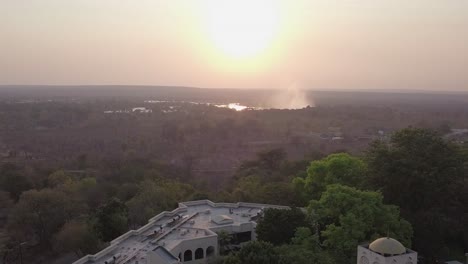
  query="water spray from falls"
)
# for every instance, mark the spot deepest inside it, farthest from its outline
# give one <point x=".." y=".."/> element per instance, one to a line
<point x="291" y="98"/>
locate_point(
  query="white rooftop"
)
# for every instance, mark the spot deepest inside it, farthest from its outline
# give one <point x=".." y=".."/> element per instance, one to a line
<point x="190" y="220"/>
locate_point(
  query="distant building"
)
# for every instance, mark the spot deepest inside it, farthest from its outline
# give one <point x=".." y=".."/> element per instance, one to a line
<point x="337" y="138"/>
<point x="141" y="110"/>
<point x="457" y="135"/>
<point x="188" y="234"/>
<point x="386" y="250"/>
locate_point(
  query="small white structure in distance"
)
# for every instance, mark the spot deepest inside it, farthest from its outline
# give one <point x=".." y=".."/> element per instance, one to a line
<point x="142" y="110"/>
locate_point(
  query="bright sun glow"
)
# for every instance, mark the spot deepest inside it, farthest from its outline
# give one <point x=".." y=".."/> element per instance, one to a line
<point x="242" y="28"/>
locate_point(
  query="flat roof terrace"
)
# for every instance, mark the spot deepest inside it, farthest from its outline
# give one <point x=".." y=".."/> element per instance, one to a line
<point x="190" y="220"/>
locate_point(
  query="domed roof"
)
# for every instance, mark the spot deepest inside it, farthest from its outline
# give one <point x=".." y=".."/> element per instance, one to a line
<point x="387" y="245"/>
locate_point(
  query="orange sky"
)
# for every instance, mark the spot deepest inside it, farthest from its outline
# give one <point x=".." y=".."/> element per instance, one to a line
<point x="318" y="44"/>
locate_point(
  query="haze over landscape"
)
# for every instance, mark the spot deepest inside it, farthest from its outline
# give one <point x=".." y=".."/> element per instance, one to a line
<point x="233" y="131"/>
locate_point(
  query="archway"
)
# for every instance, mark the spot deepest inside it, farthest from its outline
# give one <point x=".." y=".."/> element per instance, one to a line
<point x="210" y="251"/>
<point x="188" y="255"/>
<point x="199" y="253"/>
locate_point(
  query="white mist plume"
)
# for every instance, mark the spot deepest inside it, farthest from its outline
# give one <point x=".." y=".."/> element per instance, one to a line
<point x="291" y="98"/>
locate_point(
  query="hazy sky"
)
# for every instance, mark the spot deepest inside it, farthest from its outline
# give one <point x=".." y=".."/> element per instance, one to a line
<point x="316" y="44"/>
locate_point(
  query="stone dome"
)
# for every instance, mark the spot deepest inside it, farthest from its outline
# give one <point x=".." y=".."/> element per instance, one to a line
<point x="387" y="245"/>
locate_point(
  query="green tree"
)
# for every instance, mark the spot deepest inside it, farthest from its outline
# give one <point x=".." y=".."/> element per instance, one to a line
<point x="13" y="180"/>
<point x="111" y="219"/>
<point x="267" y="166"/>
<point x="82" y="161"/>
<point x="347" y="217"/>
<point x="5" y="204"/>
<point x="423" y="174"/>
<point x="253" y="189"/>
<point x="255" y="252"/>
<point x="305" y="248"/>
<point x="155" y="196"/>
<point x="77" y="237"/>
<point x="224" y="239"/>
<point x="339" y="168"/>
<point x="278" y="226"/>
<point x="57" y="178"/>
<point x="39" y="215"/>
<point x="282" y="193"/>
<point x="248" y="189"/>
<point x="272" y="160"/>
<point x="4" y="247"/>
<point x="77" y="192"/>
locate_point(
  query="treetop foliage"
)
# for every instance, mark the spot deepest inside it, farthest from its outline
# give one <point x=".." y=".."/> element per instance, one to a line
<point x="417" y="177"/>
<point x="425" y="175"/>
<point x="278" y="226"/>
<point x="347" y="217"/>
<point x="339" y="168"/>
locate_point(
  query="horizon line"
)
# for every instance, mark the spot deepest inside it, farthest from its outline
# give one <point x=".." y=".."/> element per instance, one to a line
<point x="376" y="90"/>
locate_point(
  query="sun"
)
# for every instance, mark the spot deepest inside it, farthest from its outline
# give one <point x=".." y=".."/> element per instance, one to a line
<point x="242" y="28"/>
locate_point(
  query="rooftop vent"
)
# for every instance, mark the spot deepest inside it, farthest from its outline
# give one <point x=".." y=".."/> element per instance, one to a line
<point x="110" y="261"/>
<point x="222" y="220"/>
